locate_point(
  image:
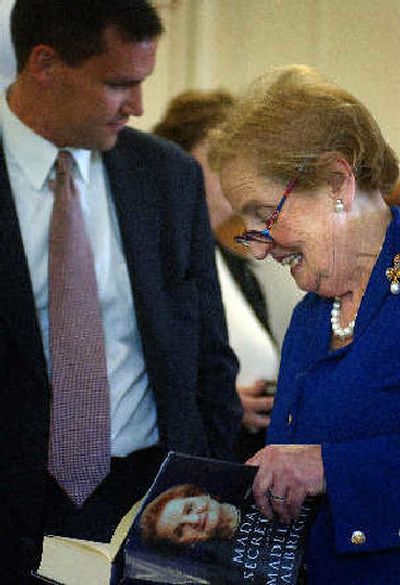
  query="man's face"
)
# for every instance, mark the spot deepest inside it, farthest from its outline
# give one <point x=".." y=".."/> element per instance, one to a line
<point x="91" y="102"/>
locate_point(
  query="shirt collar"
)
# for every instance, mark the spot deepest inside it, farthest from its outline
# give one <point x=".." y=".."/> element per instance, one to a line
<point x="34" y="154"/>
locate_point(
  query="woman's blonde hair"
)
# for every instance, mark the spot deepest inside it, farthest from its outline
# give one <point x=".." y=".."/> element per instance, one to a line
<point x="296" y="123"/>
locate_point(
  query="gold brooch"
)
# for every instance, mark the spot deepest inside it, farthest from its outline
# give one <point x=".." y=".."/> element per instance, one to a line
<point x="393" y="275"/>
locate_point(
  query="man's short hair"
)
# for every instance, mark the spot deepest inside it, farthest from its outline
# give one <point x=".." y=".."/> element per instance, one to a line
<point x="74" y="28"/>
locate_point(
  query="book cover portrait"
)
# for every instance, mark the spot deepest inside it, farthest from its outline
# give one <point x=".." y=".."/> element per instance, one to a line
<point x="199" y="524"/>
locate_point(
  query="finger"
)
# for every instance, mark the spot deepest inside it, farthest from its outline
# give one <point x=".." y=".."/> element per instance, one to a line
<point x="263" y="403"/>
<point x="257" y="458"/>
<point x="255" y="422"/>
<point x="260" y="489"/>
<point x="270" y="385"/>
<point x="265" y="507"/>
<point x="292" y="512"/>
<point x="252" y="391"/>
<point x="260" y="386"/>
<point x="294" y="507"/>
<point x="296" y="498"/>
<point x="278" y="498"/>
<point x="260" y="421"/>
<point x="250" y="404"/>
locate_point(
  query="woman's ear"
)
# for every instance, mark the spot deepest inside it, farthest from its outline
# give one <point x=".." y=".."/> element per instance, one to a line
<point x="342" y="183"/>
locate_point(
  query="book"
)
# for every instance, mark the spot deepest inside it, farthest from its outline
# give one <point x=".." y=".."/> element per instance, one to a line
<point x="72" y="561"/>
<point x="199" y="524"/>
<point x="230" y="543"/>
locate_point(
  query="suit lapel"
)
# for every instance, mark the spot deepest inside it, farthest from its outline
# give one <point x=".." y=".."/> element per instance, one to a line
<point x="136" y="197"/>
<point x="17" y="308"/>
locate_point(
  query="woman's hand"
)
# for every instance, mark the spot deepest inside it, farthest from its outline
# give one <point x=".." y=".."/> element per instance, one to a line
<point x="256" y="405"/>
<point x="287" y="475"/>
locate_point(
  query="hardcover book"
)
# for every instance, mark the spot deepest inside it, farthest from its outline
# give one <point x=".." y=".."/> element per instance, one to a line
<point x="199" y="524"/>
<point x="72" y="561"/>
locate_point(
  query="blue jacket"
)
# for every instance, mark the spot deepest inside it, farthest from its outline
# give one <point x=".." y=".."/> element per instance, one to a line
<point x="348" y="400"/>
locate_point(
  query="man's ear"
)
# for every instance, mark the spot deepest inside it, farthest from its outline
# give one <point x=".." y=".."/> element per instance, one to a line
<point x="42" y="62"/>
<point x="342" y="183"/>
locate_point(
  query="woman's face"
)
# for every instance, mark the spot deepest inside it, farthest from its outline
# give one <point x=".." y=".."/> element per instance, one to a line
<point x="306" y="235"/>
<point x="188" y="520"/>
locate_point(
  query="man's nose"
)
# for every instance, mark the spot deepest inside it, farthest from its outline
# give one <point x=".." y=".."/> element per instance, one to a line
<point x="133" y="106"/>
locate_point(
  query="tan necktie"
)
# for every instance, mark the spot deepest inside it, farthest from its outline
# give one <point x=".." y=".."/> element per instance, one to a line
<point x="79" y="450"/>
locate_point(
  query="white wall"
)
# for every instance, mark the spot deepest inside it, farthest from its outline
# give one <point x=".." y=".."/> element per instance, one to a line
<point x="227" y="43"/>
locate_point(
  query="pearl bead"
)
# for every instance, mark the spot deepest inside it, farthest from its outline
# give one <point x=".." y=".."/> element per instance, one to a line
<point x="341" y="332"/>
<point x="395" y="288"/>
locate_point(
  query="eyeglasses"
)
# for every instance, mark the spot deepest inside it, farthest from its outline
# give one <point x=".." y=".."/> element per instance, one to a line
<point x="264" y="236"/>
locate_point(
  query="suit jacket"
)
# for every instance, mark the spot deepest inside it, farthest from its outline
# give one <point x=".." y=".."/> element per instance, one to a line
<point x="349" y="401"/>
<point x="159" y="199"/>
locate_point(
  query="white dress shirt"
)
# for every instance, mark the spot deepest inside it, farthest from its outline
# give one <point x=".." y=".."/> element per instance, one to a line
<point x="253" y="346"/>
<point x="30" y="163"/>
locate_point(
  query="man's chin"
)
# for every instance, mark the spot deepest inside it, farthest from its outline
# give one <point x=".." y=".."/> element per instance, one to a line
<point x="107" y="143"/>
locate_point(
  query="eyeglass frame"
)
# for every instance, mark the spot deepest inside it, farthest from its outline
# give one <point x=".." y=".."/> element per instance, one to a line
<point x="264" y="236"/>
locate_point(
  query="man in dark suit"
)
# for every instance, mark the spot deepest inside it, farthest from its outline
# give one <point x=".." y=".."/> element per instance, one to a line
<point x="81" y="64"/>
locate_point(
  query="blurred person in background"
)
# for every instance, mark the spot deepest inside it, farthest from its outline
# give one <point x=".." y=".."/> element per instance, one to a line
<point x="306" y="165"/>
<point x="188" y="121"/>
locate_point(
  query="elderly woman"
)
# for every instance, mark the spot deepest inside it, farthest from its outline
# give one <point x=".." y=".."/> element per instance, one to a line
<point x="335" y="428"/>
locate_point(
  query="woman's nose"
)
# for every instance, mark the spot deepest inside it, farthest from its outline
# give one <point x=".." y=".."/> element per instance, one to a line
<point x="192" y="518"/>
<point x="261" y="250"/>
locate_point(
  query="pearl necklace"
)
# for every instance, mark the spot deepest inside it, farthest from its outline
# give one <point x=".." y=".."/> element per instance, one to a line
<point x="337" y="330"/>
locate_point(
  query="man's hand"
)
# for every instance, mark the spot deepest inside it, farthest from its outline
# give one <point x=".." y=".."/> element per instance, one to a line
<point x="287" y="475"/>
<point x="256" y="405"/>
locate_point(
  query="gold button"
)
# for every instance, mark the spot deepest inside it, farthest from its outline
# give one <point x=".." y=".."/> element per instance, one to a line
<point x="358" y="537"/>
<point x="289" y="419"/>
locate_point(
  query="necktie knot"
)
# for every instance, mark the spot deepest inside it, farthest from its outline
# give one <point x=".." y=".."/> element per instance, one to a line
<point x="64" y="165"/>
<point x="63" y="185"/>
<point x="64" y="162"/>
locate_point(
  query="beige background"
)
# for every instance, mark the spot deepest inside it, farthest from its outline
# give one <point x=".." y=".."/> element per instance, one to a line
<point x="227" y="43"/>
